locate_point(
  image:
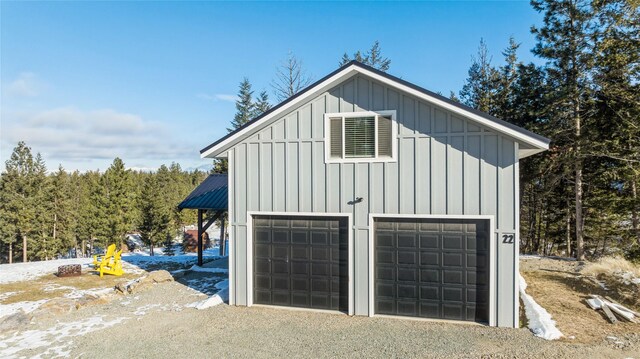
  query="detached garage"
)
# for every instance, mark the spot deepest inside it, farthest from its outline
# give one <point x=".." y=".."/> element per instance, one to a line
<point x="368" y="195"/>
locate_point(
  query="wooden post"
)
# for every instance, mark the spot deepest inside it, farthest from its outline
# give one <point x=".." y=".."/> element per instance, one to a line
<point x="200" y="237"/>
<point x="24" y="249"/>
<point x="222" y="245"/>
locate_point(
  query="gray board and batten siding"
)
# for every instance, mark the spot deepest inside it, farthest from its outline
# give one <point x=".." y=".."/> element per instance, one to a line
<point x="446" y="165"/>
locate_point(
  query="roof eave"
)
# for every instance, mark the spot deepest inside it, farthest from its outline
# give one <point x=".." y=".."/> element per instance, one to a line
<point x="217" y="149"/>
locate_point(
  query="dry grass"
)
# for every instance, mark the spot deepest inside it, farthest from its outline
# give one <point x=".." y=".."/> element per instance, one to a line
<point x="611" y="266"/>
<point x="32" y="290"/>
<point x="562" y="290"/>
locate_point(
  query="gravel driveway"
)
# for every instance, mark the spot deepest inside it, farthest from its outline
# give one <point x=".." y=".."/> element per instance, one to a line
<point x="261" y="332"/>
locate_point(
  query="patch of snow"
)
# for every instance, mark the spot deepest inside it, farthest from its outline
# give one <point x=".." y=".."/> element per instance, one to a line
<point x="143" y="310"/>
<point x="18" y="272"/>
<point x="25" y="306"/>
<point x="538" y="256"/>
<point x="629" y="278"/>
<point x="216" y="299"/>
<point x="603" y="285"/>
<point x="79" y="293"/>
<point x="540" y="322"/>
<point x="56" y="338"/>
<point x="195" y="268"/>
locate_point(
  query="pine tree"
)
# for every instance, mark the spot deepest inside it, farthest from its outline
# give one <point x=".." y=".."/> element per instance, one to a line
<point x="290" y="79"/>
<point x="616" y="146"/>
<point x="479" y="90"/>
<point x="19" y="192"/>
<point x="155" y="216"/>
<point x="116" y="181"/>
<point x="262" y="104"/>
<point x="373" y="57"/>
<point x="247" y="109"/>
<point x="244" y="106"/>
<point x="564" y="41"/>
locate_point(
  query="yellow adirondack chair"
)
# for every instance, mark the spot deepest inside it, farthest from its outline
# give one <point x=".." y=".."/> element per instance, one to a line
<point x="111" y="264"/>
<point x="97" y="259"/>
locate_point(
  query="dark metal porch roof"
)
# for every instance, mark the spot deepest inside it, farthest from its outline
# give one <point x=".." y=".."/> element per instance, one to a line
<point x="210" y="194"/>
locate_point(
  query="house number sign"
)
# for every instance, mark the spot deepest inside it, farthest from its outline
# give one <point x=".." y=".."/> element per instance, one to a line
<point x="508" y="238"/>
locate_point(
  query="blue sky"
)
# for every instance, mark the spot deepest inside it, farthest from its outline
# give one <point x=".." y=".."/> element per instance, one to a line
<point x="154" y="82"/>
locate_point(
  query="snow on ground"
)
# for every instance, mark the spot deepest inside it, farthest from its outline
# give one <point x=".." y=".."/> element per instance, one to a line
<point x="195" y="268"/>
<point x="18" y="272"/>
<point x="55" y="338"/>
<point x="540" y="322"/>
<point x="25" y="306"/>
<point x="216" y="299"/>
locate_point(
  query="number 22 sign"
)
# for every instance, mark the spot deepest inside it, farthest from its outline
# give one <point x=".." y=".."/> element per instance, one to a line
<point x="508" y="238"/>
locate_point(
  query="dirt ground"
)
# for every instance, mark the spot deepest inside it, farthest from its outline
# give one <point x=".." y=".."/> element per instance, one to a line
<point x="160" y="322"/>
<point x="559" y="287"/>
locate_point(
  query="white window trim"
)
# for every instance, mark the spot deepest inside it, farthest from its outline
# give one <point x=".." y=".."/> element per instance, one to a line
<point x="350" y="253"/>
<point x="394" y="137"/>
<point x="492" y="255"/>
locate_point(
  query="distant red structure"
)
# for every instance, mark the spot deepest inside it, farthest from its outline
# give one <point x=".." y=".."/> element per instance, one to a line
<point x="190" y="240"/>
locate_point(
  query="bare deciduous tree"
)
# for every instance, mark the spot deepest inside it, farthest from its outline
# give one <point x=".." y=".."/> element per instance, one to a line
<point x="290" y="78"/>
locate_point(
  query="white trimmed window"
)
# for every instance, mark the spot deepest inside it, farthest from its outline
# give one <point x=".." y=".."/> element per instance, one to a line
<point x="360" y="136"/>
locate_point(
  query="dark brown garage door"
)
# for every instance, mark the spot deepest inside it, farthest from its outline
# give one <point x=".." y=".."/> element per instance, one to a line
<point x="301" y="262"/>
<point x="432" y="268"/>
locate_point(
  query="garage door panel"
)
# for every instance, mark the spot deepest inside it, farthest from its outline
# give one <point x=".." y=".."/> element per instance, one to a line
<point x="385" y="240"/>
<point x="406" y="257"/>
<point x="478" y="260"/>
<point x="450" y="259"/>
<point x="320" y="301"/>
<point x="280" y="283"/>
<point x="279" y="252"/>
<point x="300" y="299"/>
<point x="262" y="296"/>
<point x="407" y="291"/>
<point x="385" y="273"/>
<point x="429" y="275"/>
<point x="262" y="251"/>
<point x="429" y="258"/>
<point x="320" y="253"/>
<point x="320" y="269"/>
<point x="477" y="278"/>
<point x="263" y="282"/>
<point x="452" y="276"/>
<point x="430" y="309"/>
<point x="263" y="265"/>
<point x="407" y="241"/>
<point x="477" y="296"/>
<point x="407" y="274"/>
<point x="452" y="242"/>
<point x="385" y="256"/>
<point x="440" y="266"/>
<point x="453" y="311"/>
<point x="300" y="253"/>
<point x="429" y="241"/>
<point x="299" y="237"/>
<point x="386" y="290"/>
<point x="320" y="238"/>
<point x="280" y="237"/>
<point x="281" y="298"/>
<point x="300" y="284"/>
<point x="279" y="267"/>
<point x="262" y="236"/>
<point x="478" y="243"/>
<point x="320" y="285"/>
<point x="299" y="268"/>
<point x="453" y="294"/>
<point x="429" y="292"/>
<point x="408" y="308"/>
